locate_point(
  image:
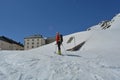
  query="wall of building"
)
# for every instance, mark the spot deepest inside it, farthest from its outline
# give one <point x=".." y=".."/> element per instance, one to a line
<point x="30" y="43"/>
<point x="9" y="46"/>
<point x="5" y="45"/>
<point x="17" y="47"/>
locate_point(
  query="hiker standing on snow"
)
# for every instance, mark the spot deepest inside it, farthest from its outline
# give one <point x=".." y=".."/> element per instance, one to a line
<point x="59" y="40"/>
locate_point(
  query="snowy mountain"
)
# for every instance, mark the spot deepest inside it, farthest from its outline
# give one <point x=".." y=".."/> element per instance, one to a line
<point x="107" y="24"/>
<point x="96" y="59"/>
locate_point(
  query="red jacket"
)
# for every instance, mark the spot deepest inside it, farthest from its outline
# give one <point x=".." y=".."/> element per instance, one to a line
<point x="57" y="37"/>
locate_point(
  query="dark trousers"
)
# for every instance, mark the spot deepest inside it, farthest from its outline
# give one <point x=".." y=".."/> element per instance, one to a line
<point x="59" y="44"/>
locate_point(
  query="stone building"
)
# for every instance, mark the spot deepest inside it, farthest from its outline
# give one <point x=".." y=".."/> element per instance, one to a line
<point x="33" y="41"/>
<point x="9" y="44"/>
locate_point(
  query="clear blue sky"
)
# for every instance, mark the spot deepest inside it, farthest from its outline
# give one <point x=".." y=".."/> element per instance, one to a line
<point x="21" y="18"/>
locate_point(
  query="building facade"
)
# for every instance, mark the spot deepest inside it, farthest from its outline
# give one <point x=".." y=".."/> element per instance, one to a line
<point x="33" y="41"/>
<point x="9" y="44"/>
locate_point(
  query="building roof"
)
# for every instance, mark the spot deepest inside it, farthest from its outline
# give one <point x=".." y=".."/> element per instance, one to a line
<point x="3" y="38"/>
<point x="34" y="36"/>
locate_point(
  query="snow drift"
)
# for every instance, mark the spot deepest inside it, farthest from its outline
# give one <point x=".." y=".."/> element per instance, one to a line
<point x="97" y="59"/>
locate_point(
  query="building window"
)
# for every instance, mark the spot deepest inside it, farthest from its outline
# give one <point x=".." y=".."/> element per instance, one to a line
<point x="27" y="43"/>
<point x="32" y="42"/>
<point x="32" y="46"/>
<point x="32" y="39"/>
<point x="37" y="42"/>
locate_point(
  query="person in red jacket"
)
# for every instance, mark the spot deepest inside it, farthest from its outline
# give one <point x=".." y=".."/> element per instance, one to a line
<point x="59" y="42"/>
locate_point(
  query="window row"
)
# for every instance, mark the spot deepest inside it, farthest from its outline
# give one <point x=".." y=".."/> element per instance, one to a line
<point x="32" y="46"/>
<point x="33" y="39"/>
<point x="32" y="43"/>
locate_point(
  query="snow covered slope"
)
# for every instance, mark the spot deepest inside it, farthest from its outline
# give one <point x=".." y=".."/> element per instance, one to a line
<point x="114" y="23"/>
<point x="98" y="59"/>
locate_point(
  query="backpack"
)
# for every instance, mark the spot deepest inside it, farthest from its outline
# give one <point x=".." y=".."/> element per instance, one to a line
<point x="61" y="38"/>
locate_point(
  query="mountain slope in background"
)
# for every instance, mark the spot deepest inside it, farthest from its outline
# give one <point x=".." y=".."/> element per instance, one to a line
<point x="97" y="59"/>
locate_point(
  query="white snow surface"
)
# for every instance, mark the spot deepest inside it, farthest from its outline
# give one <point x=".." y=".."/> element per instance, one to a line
<point x="98" y="59"/>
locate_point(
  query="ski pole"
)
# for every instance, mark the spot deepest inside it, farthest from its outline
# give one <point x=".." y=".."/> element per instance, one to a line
<point x="63" y="48"/>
